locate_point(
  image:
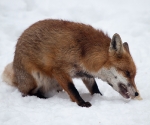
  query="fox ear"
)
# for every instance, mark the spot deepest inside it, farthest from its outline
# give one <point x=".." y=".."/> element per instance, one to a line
<point x="116" y="45"/>
<point x="125" y="45"/>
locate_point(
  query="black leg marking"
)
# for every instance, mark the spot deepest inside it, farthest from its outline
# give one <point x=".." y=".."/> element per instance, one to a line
<point x="40" y="94"/>
<point x="95" y="88"/>
<point x="75" y="94"/>
<point x="91" y="85"/>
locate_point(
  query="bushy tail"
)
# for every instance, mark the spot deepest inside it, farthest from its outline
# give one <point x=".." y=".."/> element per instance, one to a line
<point x="8" y="74"/>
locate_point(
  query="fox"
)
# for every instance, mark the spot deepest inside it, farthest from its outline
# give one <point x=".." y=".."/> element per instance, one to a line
<point x="51" y="52"/>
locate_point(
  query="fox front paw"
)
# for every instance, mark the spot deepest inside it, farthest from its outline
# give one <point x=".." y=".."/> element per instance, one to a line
<point x="85" y="104"/>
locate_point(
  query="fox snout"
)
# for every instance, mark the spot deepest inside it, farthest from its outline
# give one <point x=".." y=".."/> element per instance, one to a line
<point x="127" y="91"/>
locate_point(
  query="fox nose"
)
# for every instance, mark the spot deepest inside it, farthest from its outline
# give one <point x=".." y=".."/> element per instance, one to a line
<point x="136" y="93"/>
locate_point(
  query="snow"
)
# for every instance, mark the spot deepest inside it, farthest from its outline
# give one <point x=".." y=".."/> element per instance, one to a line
<point x="128" y="18"/>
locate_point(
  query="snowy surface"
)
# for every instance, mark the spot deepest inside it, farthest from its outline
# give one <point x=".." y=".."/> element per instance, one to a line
<point x="131" y="19"/>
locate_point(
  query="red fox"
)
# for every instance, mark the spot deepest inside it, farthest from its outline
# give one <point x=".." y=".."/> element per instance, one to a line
<point x="51" y="52"/>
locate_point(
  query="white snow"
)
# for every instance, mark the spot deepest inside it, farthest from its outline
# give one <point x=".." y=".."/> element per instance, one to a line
<point x="131" y="19"/>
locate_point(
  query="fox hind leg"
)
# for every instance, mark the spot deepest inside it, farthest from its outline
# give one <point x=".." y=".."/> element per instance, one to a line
<point x="27" y="84"/>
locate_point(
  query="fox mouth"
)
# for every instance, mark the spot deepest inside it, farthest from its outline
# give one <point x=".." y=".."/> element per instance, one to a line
<point x="124" y="91"/>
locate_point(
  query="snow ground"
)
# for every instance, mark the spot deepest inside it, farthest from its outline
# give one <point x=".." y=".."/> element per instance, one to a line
<point x="131" y="19"/>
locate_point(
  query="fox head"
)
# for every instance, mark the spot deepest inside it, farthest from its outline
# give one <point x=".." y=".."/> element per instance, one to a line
<point x="120" y="70"/>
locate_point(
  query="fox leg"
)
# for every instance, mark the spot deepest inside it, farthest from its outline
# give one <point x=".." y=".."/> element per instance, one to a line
<point x="39" y="93"/>
<point x="66" y="82"/>
<point x="91" y="85"/>
<point x="27" y="84"/>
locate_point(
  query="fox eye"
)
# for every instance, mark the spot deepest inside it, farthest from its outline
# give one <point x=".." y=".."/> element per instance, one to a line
<point x="127" y="73"/>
